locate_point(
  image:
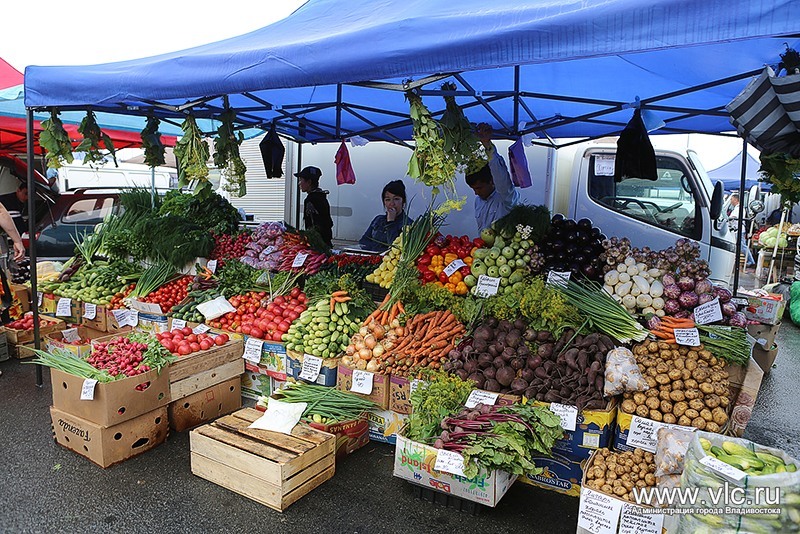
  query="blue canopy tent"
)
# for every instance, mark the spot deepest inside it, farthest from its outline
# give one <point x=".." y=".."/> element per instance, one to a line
<point x="730" y="174"/>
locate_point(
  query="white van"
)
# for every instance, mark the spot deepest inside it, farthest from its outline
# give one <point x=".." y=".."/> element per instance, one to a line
<point x="79" y="176"/>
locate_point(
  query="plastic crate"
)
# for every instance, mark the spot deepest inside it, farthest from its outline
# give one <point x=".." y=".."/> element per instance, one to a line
<point x="375" y="291"/>
<point x="450" y="501"/>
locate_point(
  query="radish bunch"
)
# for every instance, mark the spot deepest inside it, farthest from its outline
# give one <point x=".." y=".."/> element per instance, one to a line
<point x="120" y="356"/>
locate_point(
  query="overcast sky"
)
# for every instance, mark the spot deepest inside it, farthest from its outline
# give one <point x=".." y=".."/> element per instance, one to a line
<point x="62" y="32"/>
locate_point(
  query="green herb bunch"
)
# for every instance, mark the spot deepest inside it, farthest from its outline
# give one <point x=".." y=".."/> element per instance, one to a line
<point x="214" y="212"/>
<point x="192" y="153"/>
<point x="226" y="155"/>
<point x="442" y="396"/>
<point x="460" y="141"/>
<point x="430" y="163"/>
<point x="55" y="141"/>
<point x="93" y="137"/>
<point x="154" y="150"/>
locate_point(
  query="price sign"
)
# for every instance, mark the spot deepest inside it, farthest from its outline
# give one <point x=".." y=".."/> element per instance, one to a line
<point x="453" y="266"/>
<point x="710" y="312"/>
<point x="252" y="350"/>
<point x="87" y="391"/>
<point x="70" y="334"/>
<point x="269" y="250"/>
<point x="310" y="368"/>
<point x="487" y="286"/>
<point x="643" y="433"/>
<point x="728" y="471"/>
<point x="449" y="462"/>
<point x="133" y="317"/>
<point x="568" y="415"/>
<point x="212" y="266"/>
<point x="39" y="297"/>
<point x="478" y="396"/>
<point x="178" y="323"/>
<point x="687" y="336"/>
<point x="362" y="382"/>
<point x="556" y="278"/>
<point x="635" y="521"/>
<point x="604" y="165"/>
<point x="598" y="513"/>
<point x="412" y="387"/>
<point x="201" y="329"/>
<point x="738" y="301"/>
<point x="121" y="316"/>
<point x="299" y="260"/>
<point x="89" y="310"/>
<point x="64" y="307"/>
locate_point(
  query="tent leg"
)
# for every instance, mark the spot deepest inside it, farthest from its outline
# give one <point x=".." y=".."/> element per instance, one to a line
<point x="740" y="220"/>
<point x="32" y="239"/>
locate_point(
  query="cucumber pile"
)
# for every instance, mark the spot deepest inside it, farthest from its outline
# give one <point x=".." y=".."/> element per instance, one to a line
<point x="322" y="332"/>
<point x="188" y="310"/>
<point x="97" y="284"/>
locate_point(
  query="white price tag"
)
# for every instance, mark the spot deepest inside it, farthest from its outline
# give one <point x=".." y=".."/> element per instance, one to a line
<point x="412" y="387"/>
<point x="479" y="396"/>
<point x="122" y="316"/>
<point x="487" y="286"/>
<point x="687" y="336"/>
<point x="362" y="382"/>
<point x="634" y="520"/>
<point x="70" y="334"/>
<point x="133" y="317"/>
<point x="63" y="308"/>
<point x="212" y="266"/>
<point x="598" y="513"/>
<point x="710" y="312"/>
<point x="449" y="462"/>
<point x="39" y="298"/>
<point x="453" y="266"/>
<point x="299" y="260"/>
<point x="201" y="329"/>
<point x="728" y="471"/>
<point x="738" y="301"/>
<point x="568" y="415"/>
<point x="89" y="310"/>
<point x="87" y="391"/>
<point x="252" y="350"/>
<point x="556" y="278"/>
<point x="178" y="323"/>
<point x="643" y="433"/>
<point x="604" y="165"/>
<point x="310" y="368"/>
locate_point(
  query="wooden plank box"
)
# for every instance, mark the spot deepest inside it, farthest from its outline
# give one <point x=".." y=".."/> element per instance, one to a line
<point x="21" y="337"/>
<point x="271" y="468"/>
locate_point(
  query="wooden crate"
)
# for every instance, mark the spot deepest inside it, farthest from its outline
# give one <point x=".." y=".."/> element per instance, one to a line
<point x="271" y="468"/>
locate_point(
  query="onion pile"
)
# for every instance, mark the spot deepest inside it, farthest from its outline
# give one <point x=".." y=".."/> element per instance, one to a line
<point x="636" y="287"/>
<point x="684" y="257"/>
<point x="370" y="345"/>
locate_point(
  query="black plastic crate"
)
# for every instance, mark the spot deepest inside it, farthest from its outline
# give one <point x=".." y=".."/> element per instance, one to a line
<point x="375" y="291"/>
<point x="451" y="501"/>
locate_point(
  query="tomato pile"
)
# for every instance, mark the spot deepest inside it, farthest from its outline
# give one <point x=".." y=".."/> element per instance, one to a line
<point x="171" y="293"/>
<point x="183" y="341"/>
<point x="119" y="356"/>
<point x="268" y="322"/>
<point x="26" y="323"/>
<point x="228" y="246"/>
<point x="441" y="253"/>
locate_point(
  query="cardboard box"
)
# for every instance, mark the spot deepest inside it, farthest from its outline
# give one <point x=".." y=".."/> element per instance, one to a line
<point x="744" y="386"/>
<point x="255" y="382"/>
<point x="47" y="305"/>
<point x="55" y="340"/>
<point x="271" y="468"/>
<point x="384" y="425"/>
<point x="22" y="337"/>
<point x="206" y="405"/>
<point x="4" y="353"/>
<point x="50" y="307"/>
<point x="594" y="429"/>
<point x="767" y="310"/>
<point x="327" y="373"/>
<point x="601" y="512"/>
<point x="114" y="402"/>
<point x="380" y="386"/>
<point x="350" y="435"/>
<point x="152" y="323"/>
<point x="765" y="332"/>
<point x="99" y="321"/>
<point x="414" y="462"/>
<point x="23" y="295"/>
<point x="106" y="446"/>
<point x="765" y="357"/>
<point x="273" y="359"/>
<point x="561" y="474"/>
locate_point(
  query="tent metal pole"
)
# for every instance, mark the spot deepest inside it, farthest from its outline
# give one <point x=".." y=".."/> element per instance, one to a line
<point x="338" y="110"/>
<point x="516" y="98"/>
<point x="32" y="238"/>
<point x="740" y="220"/>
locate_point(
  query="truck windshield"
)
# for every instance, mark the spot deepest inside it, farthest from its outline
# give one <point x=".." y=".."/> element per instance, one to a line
<point x="667" y="202"/>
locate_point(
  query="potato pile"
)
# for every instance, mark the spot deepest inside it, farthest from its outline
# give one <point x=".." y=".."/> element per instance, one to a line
<point x="688" y="386"/>
<point x="617" y="473"/>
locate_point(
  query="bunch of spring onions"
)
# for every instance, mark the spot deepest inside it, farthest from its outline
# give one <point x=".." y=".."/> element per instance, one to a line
<point x="604" y="313"/>
<point x="152" y="278"/>
<point x="728" y="343"/>
<point x="67" y="362"/>
<point x="325" y="405"/>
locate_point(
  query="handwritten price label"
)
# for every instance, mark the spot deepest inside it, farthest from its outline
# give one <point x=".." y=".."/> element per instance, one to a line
<point x="87" y="391"/>
<point x="556" y="278"/>
<point x="478" y="396"/>
<point x="598" y="513"/>
<point x="252" y="350"/>
<point x="568" y="415"/>
<point x="449" y="462"/>
<point x="723" y="469"/>
<point x="362" y="382"/>
<point x="311" y="367"/>
<point x="39" y="297"/>
<point x="487" y="286"/>
<point x="89" y="310"/>
<point x="178" y="323"/>
<point x="710" y="312"/>
<point x="121" y="316"/>
<point x="201" y="329"/>
<point x="687" y="336"/>
<point x="70" y="334"/>
<point x="453" y="266"/>
<point x="299" y="260"/>
<point x="64" y="307"/>
<point x="212" y="266"/>
<point x="133" y="317"/>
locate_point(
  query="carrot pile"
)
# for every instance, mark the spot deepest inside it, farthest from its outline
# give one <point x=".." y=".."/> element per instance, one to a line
<point x="426" y="340"/>
<point x="665" y="330"/>
<point x="385" y="313"/>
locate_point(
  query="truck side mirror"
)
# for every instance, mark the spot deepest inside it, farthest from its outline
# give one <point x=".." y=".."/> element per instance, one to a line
<point x="716" y="201"/>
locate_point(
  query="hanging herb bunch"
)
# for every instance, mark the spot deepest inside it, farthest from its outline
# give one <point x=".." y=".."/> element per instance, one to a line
<point x="55" y="141"/>
<point x="93" y="137"/>
<point x="192" y="153"/>
<point x="154" y="151"/>
<point x="430" y="163"/>
<point x="783" y="172"/>
<point x="460" y="141"/>
<point x="227" y="157"/>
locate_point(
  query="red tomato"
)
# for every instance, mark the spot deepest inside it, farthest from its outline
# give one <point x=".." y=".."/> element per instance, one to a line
<point x="271" y="326"/>
<point x="177" y="337"/>
<point x="186" y="330"/>
<point x="195" y="346"/>
<point x="257" y="332"/>
<point x="168" y="344"/>
<point x="283" y="326"/>
<point x="184" y="349"/>
<point x="277" y="336"/>
<point x="223" y="338"/>
<point x="295" y="292"/>
<point x="191" y="338"/>
<point x="206" y="344"/>
<point x="246" y="328"/>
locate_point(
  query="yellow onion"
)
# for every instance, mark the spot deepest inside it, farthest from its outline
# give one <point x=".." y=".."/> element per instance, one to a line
<point x="350" y="350"/>
<point x="378" y="332"/>
<point x="372" y="366"/>
<point x="370" y="341"/>
<point x="365" y="354"/>
<point x="378" y="351"/>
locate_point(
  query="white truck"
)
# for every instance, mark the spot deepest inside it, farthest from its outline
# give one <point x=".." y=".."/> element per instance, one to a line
<point x="79" y="176"/>
<point x="576" y="181"/>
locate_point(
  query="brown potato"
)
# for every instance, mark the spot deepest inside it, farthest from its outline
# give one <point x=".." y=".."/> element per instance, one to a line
<point x="676" y="395"/>
<point x="663" y="345"/>
<point x="705" y="413"/>
<point x="652" y="403"/>
<point x="679" y="363"/>
<point x="620" y="491"/>
<point x="628" y="484"/>
<point x="683" y="350"/>
<point x="620" y="470"/>
<point x="712" y="400"/>
<point x="666" y="406"/>
<point x="707" y="388"/>
<point x="690" y="384"/>
<point x="678" y="384"/>
<point x="721" y="389"/>
<point x="641" y="483"/>
<point x="650" y="479"/>
<point x="649" y="459"/>
<point x="684" y="421"/>
<point x="639" y="397"/>
<point x="691" y="364"/>
<point x="611" y="476"/>
<point x="627" y="395"/>
<point x="670" y="419"/>
<point x="664" y="394"/>
<point x="655" y="415"/>
<point x="716" y="376"/>
<point x="724" y="401"/>
<point x="642" y="410"/>
<point x="693" y="394"/>
<point x="699" y="423"/>
<point x="693" y="354"/>
<point x="652" y="392"/>
<point x="680" y="408"/>
<point x="686" y="374"/>
<point x="652" y="347"/>
<point x="691" y="413"/>
<point x="663" y="379"/>
<point x="628" y="406"/>
<point x="696" y="404"/>
<point x="724" y="374"/>
<point x="720" y="417"/>
<point x="662" y="368"/>
<point x="607" y="489"/>
<point x="674" y="374"/>
<point x="652" y="372"/>
<point x="711" y="426"/>
<point x="700" y="374"/>
<point x="705" y="354"/>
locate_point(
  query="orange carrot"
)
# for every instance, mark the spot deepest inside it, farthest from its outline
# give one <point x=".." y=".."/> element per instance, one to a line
<point x="341" y="293"/>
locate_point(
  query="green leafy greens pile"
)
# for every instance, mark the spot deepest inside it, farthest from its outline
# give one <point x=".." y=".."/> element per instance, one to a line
<point x="442" y="396"/>
<point x="213" y="212"/>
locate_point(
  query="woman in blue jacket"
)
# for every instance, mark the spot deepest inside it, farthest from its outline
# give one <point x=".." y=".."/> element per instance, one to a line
<point x="384" y="229"/>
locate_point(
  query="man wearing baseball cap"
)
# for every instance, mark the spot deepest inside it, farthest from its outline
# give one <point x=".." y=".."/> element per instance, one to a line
<point x="316" y="209"/>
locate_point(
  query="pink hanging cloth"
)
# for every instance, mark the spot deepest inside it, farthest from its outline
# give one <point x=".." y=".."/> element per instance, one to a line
<point x="344" y="170"/>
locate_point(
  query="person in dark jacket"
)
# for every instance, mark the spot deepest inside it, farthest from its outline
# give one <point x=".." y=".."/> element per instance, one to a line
<point x="316" y="209"/>
<point x="384" y="229"/>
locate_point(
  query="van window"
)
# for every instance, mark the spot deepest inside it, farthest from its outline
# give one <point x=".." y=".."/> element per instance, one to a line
<point x="88" y="210"/>
<point x="668" y="202"/>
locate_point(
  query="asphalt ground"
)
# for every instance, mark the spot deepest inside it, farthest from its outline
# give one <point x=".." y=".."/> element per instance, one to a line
<point x="45" y="488"/>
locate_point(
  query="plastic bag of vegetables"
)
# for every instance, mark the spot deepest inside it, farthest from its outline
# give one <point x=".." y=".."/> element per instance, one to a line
<point x="764" y="483"/>
<point x="622" y="373"/>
